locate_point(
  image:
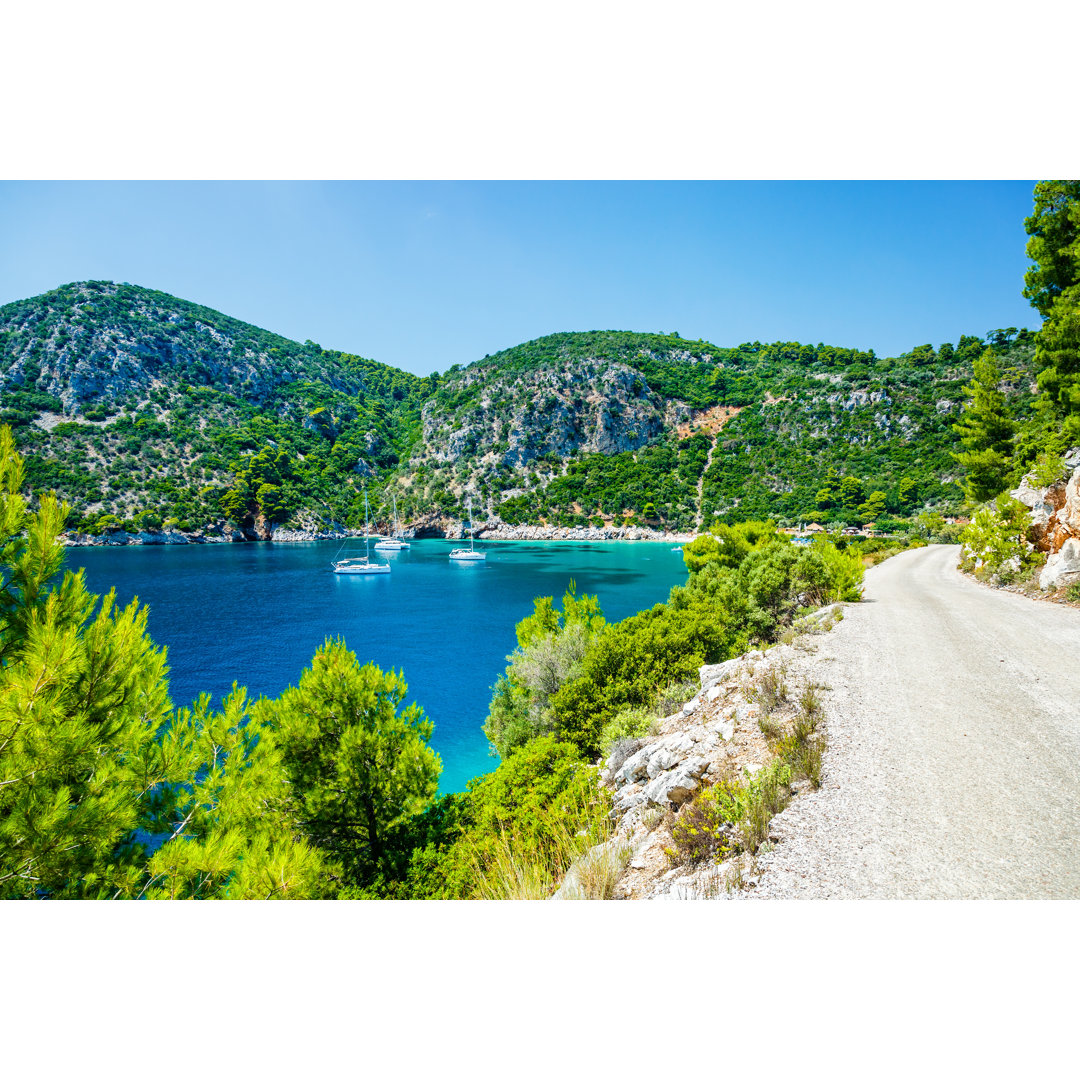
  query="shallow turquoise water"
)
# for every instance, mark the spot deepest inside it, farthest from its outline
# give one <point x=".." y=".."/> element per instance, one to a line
<point x="255" y="614"/>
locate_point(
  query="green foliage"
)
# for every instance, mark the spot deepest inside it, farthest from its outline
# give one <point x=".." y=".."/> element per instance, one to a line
<point x="986" y="432"/>
<point x="523" y="813"/>
<point x="1048" y="469"/>
<point x="357" y="766"/>
<point x="727" y="545"/>
<point x="551" y="648"/>
<point x="993" y="543"/>
<point x="779" y="580"/>
<point x="232" y="830"/>
<point x="1053" y="287"/>
<point x="628" y="662"/>
<point x="633" y="722"/>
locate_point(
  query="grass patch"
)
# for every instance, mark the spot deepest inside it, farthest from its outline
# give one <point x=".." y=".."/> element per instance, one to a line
<point x="597" y="872"/>
<point x="520" y="866"/>
<point x="633" y="722"/>
<point x="671" y="698"/>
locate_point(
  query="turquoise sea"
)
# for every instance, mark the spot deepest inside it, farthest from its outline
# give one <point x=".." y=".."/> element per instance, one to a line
<point x="255" y="613"/>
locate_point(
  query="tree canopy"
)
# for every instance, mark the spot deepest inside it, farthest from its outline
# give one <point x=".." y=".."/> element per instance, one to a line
<point x="1053" y="287"/>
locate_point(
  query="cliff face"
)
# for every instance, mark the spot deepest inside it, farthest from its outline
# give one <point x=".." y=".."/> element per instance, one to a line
<point x="1055" y="523"/>
<point x="514" y="418"/>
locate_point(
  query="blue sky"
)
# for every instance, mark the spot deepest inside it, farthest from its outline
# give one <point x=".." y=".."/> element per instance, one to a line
<point x="427" y="274"/>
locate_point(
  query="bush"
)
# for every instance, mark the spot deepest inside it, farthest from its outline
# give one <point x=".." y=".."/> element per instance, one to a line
<point x="633" y="722"/>
<point x="628" y="661"/>
<point x="731" y="815"/>
<point x="518" y="824"/>
<point x="994" y="543"/>
<point x="551" y="648"/>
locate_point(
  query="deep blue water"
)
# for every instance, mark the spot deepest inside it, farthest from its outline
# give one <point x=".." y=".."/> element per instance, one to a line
<point x="256" y="613"/>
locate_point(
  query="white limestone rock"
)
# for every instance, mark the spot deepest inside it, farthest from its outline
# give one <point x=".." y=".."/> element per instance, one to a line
<point x="660" y="762"/>
<point x="1063" y="567"/>
<point x="711" y="674"/>
<point x="674" y="787"/>
<point x="635" y="767"/>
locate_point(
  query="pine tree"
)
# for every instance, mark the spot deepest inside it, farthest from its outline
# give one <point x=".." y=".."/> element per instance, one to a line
<point x="83" y="697"/>
<point x="1053" y="287"/>
<point x="232" y="833"/>
<point x="358" y="768"/>
<point x="985" y="431"/>
<point x="93" y="761"/>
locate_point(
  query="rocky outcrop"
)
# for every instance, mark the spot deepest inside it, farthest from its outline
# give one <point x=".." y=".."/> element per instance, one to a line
<point x="1063" y="567"/>
<point x="502" y="531"/>
<point x="1055" y="523"/>
<point x="716" y="734"/>
<point x="219" y="534"/>
<point x="564" y="408"/>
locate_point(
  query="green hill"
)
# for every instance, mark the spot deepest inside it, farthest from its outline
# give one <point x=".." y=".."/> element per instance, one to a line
<point x="134" y="403"/>
<point x="143" y="409"/>
<point x="591" y="426"/>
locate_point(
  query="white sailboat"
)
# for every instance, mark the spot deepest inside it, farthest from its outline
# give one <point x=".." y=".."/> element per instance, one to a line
<point x="361" y="564"/>
<point x="469" y="554"/>
<point x="392" y="543"/>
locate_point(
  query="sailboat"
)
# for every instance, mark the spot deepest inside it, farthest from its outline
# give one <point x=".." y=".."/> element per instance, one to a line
<point x="392" y="543"/>
<point x="361" y="564"/>
<point x="469" y="554"/>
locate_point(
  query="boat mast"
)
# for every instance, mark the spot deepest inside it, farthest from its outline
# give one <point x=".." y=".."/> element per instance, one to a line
<point x="366" y="537"/>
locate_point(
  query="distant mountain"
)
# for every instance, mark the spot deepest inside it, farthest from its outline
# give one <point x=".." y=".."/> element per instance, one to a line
<point x="144" y="409"/>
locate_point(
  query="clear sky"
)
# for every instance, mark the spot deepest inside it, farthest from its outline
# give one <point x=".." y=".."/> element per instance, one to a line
<point x="427" y="274"/>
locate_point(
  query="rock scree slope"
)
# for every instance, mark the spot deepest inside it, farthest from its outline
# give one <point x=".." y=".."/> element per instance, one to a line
<point x="953" y="768"/>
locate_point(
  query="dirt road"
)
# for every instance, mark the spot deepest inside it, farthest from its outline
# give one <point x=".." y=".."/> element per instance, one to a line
<point x="953" y="767"/>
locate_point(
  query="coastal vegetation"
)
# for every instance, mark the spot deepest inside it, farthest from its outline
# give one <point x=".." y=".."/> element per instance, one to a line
<point x="108" y="790"/>
<point x="1002" y="443"/>
<point x="147" y="412"/>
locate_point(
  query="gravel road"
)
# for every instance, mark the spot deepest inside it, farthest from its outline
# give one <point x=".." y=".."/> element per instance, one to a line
<point x="953" y="763"/>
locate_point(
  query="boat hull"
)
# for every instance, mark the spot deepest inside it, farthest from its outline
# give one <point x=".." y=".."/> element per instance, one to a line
<point x="374" y="568"/>
<point x="468" y="556"/>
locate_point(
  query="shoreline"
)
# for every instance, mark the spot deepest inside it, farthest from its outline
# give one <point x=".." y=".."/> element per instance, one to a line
<point x="500" y="534"/>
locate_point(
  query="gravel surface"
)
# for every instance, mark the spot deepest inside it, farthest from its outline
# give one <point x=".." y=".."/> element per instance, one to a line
<point x="953" y="761"/>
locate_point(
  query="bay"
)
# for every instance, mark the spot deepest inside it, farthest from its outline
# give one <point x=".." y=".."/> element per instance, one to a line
<point x="254" y="614"/>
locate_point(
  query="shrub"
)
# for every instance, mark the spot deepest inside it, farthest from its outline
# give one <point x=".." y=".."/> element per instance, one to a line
<point x="993" y="544"/>
<point x="551" y="649"/>
<point x="627" y="661"/>
<point x="1048" y="469"/>
<point x="518" y="827"/>
<point x="732" y="815"/>
<point x="631" y="723"/>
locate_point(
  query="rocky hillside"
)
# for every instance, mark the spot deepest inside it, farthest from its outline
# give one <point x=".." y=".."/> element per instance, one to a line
<point x="143" y="410"/>
<point x="138" y="406"/>
<point x="596" y="428"/>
